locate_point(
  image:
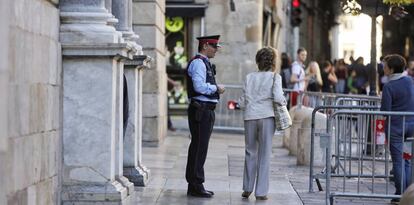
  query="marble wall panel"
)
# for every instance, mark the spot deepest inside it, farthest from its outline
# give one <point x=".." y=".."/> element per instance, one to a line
<point x="87" y="118"/>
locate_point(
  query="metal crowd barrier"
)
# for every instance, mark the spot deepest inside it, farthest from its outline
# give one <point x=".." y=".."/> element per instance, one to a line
<point x="230" y="120"/>
<point x="366" y="100"/>
<point x="314" y="99"/>
<point x="361" y="172"/>
<point x="324" y="109"/>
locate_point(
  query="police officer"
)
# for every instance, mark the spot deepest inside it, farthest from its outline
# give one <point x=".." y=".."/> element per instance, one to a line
<point x="203" y="93"/>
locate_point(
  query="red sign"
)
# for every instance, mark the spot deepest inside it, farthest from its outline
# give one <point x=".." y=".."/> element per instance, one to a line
<point x="231" y="105"/>
<point x="380" y="138"/>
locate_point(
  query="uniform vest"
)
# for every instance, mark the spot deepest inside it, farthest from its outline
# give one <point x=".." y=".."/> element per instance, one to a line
<point x="210" y="73"/>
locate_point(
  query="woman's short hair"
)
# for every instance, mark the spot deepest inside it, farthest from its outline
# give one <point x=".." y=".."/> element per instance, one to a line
<point x="395" y="62"/>
<point x="266" y="59"/>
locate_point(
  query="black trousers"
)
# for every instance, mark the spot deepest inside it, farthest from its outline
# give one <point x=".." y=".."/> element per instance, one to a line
<point x="201" y="121"/>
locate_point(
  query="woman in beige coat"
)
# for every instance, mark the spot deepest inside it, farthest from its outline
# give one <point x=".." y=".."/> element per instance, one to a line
<point x="261" y="89"/>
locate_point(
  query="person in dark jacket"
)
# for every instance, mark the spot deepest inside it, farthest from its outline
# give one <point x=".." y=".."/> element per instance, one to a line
<point x="341" y="72"/>
<point x="286" y="71"/>
<point x="398" y="95"/>
<point x="329" y="78"/>
<point x="361" y="80"/>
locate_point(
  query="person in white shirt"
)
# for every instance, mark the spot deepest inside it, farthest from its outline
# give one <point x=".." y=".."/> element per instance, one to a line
<point x="261" y="89"/>
<point x="298" y="75"/>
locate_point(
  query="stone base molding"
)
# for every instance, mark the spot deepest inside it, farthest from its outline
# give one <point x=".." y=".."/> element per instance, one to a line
<point x="139" y="176"/>
<point x="110" y="193"/>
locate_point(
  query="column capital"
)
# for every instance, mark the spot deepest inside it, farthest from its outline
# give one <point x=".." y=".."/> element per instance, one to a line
<point x="122" y="10"/>
<point x="139" y="62"/>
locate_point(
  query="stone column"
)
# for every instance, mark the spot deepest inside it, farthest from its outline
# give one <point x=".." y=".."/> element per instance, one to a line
<point x="122" y="9"/>
<point x="120" y="122"/>
<point x="134" y="170"/>
<point x="92" y="138"/>
<point x="108" y="5"/>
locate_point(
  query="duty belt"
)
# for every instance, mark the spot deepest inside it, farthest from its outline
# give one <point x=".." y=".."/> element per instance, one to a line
<point x="203" y="105"/>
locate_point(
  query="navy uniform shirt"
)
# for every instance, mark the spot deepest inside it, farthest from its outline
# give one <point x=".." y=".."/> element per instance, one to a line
<point x="197" y="71"/>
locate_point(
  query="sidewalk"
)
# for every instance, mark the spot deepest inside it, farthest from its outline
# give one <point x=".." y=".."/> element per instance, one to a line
<point x="223" y="172"/>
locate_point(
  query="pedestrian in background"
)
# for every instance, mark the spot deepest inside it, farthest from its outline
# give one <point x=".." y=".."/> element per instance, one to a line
<point x="261" y="89"/>
<point x="341" y="72"/>
<point x="381" y="76"/>
<point x="313" y="84"/>
<point x="298" y="75"/>
<point x="328" y="77"/>
<point x="398" y="95"/>
<point x="171" y="84"/>
<point x="203" y="93"/>
<point x="361" y="78"/>
<point x="286" y="71"/>
<point x="313" y="77"/>
<point x="351" y="83"/>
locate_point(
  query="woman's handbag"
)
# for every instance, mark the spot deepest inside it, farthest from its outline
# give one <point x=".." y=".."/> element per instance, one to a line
<point x="282" y="116"/>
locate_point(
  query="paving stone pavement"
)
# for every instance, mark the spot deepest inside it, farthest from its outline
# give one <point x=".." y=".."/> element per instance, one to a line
<point x="223" y="172"/>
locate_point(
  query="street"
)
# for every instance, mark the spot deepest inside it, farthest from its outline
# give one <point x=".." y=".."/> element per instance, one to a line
<point x="224" y="173"/>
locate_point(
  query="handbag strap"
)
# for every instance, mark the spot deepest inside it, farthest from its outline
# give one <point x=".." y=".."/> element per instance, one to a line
<point x="273" y="85"/>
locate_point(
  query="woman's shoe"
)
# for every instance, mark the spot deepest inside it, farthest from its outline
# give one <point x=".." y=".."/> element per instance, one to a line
<point x="261" y="197"/>
<point x="246" y="194"/>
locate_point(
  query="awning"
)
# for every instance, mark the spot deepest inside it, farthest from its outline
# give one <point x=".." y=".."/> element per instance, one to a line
<point x="185" y="10"/>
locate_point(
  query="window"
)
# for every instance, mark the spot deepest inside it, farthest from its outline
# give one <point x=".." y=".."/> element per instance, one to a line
<point x="179" y="21"/>
<point x="177" y="57"/>
<point x="348" y="53"/>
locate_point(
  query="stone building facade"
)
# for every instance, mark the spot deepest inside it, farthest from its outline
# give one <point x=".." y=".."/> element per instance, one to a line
<point x="245" y="26"/>
<point x="64" y="66"/>
<point x="315" y="34"/>
<point x="251" y="25"/>
<point x="30" y="108"/>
